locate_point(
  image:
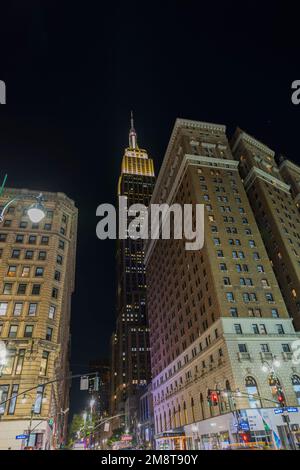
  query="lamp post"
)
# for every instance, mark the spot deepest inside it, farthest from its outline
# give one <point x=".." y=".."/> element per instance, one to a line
<point x="30" y="425"/>
<point x="35" y="212"/>
<point x="270" y="367"/>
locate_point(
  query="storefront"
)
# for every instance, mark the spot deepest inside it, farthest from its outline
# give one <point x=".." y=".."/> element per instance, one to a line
<point x="172" y="440"/>
<point x="259" y="427"/>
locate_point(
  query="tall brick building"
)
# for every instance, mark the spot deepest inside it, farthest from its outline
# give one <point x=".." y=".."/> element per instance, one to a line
<point x="272" y="194"/>
<point x="216" y="315"/>
<point x="37" y="269"/>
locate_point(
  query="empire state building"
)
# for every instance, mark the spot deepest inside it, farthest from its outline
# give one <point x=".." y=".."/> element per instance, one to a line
<point x="130" y="343"/>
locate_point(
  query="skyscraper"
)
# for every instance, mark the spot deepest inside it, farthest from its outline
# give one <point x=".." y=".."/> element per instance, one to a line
<point x="130" y="342"/>
<point x="275" y="210"/>
<point x="37" y="273"/>
<point x="219" y="326"/>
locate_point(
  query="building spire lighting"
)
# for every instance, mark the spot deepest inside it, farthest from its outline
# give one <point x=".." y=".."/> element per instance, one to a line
<point x="132" y="134"/>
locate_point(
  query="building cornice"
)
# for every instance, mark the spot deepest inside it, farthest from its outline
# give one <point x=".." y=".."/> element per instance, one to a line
<point x="251" y="140"/>
<point x="291" y="165"/>
<point x="180" y="124"/>
<point x="255" y="173"/>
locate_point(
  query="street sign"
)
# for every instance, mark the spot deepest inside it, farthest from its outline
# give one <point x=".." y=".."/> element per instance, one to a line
<point x="106" y="427"/>
<point x="292" y="409"/>
<point x="278" y="411"/>
<point x="84" y="383"/>
<point x="22" y="436"/>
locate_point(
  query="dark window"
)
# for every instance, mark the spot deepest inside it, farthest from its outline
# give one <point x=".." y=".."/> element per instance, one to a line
<point x="54" y="293"/>
<point x="39" y="271"/>
<point x="36" y="289"/>
<point x="44" y="240"/>
<point x="15" y="254"/>
<point x="22" y="289"/>
<point x="49" y="332"/>
<point x="29" y="254"/>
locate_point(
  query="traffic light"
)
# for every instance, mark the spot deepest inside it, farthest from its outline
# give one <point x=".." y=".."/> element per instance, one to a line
<point x="245" y="437"/>
<point x="94" y="383"/>
<point x="280" y="396"/>
<point x="212" y="397"/>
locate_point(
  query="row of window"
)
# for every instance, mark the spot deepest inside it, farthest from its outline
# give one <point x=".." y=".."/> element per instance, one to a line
<point x="246" y="281"/>
<point x="259" y="329"/>
<point x="29" y="254"/>
<point x="27" y="332"/>
<point x="236" y="242"/>
<point x="24" y="225"/>
<point x="253" y="312"/>
<point x="26" y="271"/>
<point x="31" y="310"/>
<point x="264" y="348"/>
<point x="242" y="268"/>
<point x="249" y="297"/>
<point x="239" y="255"/>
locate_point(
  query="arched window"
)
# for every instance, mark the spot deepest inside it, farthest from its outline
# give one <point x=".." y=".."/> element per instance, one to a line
<point x="296" y="387"/>
<point x="185" y="413"/>
<point x="227" y="385"/>
<point x="170" y="420"/>
<point x="252" y="391"/>
<point x="202" y="406"/>
<point x="179" y="415"/>
<point x="165" y="421"/>
<point x="174" y="418"/>
<point x="192" y="408"/>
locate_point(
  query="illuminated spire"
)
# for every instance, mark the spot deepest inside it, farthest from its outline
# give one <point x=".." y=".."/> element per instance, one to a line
<point x="132" y="134"/>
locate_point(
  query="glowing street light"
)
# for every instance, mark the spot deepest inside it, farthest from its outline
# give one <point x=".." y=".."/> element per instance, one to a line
<point x="36" y="212"/>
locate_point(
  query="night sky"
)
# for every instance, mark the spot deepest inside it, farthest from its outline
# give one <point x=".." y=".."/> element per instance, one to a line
<point x="73" y="72"/>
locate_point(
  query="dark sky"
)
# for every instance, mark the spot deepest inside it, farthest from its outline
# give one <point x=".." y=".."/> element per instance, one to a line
<point x="73" y="72"/>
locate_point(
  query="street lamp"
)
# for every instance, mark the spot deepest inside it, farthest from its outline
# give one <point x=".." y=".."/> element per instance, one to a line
<point x="270" y="367"/>
<point x="36" y="212"/>
<point x="92" y="403"/>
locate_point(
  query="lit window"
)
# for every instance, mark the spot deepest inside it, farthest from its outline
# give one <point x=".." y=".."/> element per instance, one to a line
<point x="3" y="308"/>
